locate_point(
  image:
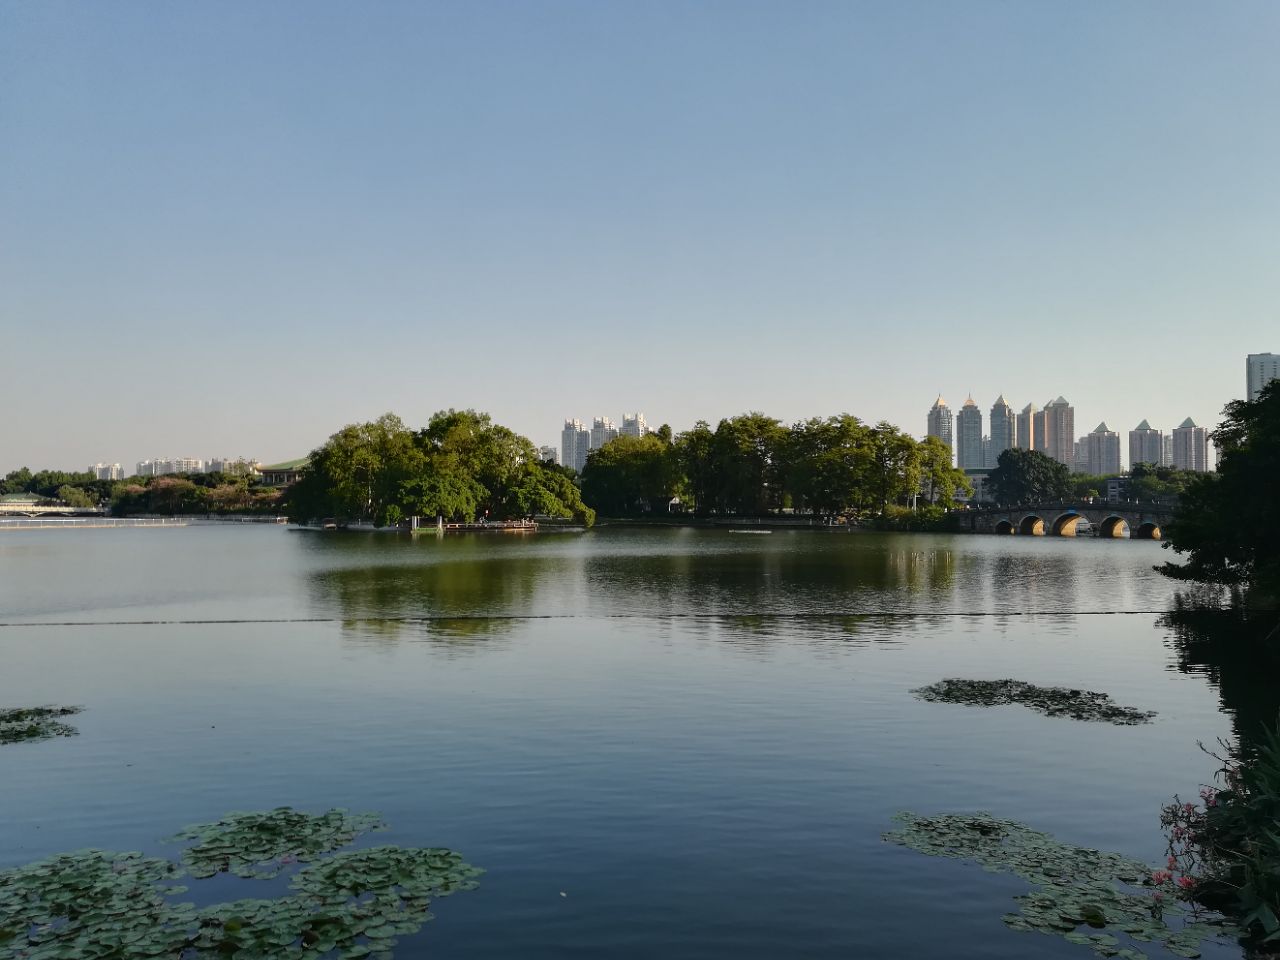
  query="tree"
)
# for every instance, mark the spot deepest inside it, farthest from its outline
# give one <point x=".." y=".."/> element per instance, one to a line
<point x="631" y="475"/>
<point x="450" y="494"/>
<point x="895" y="465"/>
<point x="746" y="465"/>
<point x="940" y="481"/>
<point x="75" y="497"/>
<point x="16" y="481"/>
<point x="358" y="474"/>
<point x="693" y="454"/>
<point x="1228" y="523"/>
<point x="827" y="465"/>
<point x="1028" y="476"/>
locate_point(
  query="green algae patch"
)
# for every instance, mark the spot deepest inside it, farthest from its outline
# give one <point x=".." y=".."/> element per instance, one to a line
<point x="263" y="844"/>
<point x="350" y="905"/>
<point x="1051" y="701"/>
<point x="26" y="724"/>
<point x="1089" y="897"/>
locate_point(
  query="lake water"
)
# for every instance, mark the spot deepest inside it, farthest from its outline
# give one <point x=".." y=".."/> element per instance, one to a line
<point x="661" y="743"/>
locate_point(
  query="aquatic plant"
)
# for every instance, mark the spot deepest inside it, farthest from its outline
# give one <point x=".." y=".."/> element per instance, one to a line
<point x="23" y="724"/>
<point x="351" y="905"/>
<point x="1051" y="701"/>
<point x="1084" y="896"/>
<point x="263" y="844"/>
<point x="1224" y="852"/>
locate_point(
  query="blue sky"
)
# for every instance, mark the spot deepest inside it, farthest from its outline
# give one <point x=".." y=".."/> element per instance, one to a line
<point x="229" y="229"/>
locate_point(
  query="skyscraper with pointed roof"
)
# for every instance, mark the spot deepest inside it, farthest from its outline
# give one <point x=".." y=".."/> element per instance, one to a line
<point x="969" y="436"/>
<point x="1146" y="445"/>
<point x="1004" y="429"/>
<point x="1191" y="447"/>
<point x="940" y="422"/>
<point x="1026" y="439"/>
<point x="1103" y="452"/>
<point x="1059" y="426"/>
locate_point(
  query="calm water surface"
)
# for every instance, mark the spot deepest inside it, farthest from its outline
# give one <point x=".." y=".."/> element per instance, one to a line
<point x="697" y="737"/>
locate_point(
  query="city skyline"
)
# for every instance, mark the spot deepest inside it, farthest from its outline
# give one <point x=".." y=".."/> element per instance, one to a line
<point x="238" y="247"/>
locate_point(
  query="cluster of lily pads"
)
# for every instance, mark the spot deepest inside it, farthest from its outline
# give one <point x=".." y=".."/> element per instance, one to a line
<point x="1051" y="701"/>
<point x="24" y="724"/>
<point x="1085" y="896"/>
<point x="351" y="905"/>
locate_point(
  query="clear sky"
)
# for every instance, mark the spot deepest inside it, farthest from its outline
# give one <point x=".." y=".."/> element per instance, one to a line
<point x="231" y="228"/>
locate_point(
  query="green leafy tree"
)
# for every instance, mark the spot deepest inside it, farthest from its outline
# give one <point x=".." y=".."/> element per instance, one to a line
<point x="940" y="480"/>
<point x="631" y="475"/>
<point x="895" y="466"/>
<point x="75" y="497"/>
<point x="1228" y="523"/>
<point x="693" y="450"/>
<point x="828" y="465"/>
<point x="449" y="494"/>
<point x="1150" y="482"/>
<point x="747" y="464"/>
<point x="1028" y="476"/>
<point x="358" y="474"/>
<point x="16" y="481"/>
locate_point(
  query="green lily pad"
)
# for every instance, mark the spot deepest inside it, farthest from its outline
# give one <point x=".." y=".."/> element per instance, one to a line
<point x="93" y="903"/>
<point x="1051" y="701"/>
<point x="26" y="724"/>
<point x="1092" y="891"/>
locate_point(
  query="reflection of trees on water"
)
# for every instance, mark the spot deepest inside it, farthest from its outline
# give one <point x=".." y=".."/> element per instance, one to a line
<point x="815" y="578"/>
<point x="1228" y="648"/>
<point x="463" y="599"/>
<point x="832" y="631"/>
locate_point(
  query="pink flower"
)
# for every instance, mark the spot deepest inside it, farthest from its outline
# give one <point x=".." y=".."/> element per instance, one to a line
<point x="1161" y="876"/>
<point x="1173" y="863"/>
<point x="1186" y="883"/>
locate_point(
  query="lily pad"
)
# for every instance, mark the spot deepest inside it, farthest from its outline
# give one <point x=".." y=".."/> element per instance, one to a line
<point x="352" y="905"/>
<point x="25" y="724"/>
<point x="1051" y="701"/>
<point x="1093" y="898"/>
<point x="263" y="844"/>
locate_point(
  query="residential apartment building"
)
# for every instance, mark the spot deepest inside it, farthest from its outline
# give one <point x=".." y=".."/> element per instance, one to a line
<point x="602" y="431"/>
<point x="1004" y="429"/>
<point x="548" y="453"/>
<point x="941" y="422"/>
<point x="1103" y="452"/>
<point x="575" y="443"/>
<point x="1260" y="369"/>
<point x="1026" y="428"/>
<point x="1146" y="445"/>
<point x="969" y="436"/>
<point x="107" y="471"/>
<point x="633" y="425"/>
<point x="1191" y="447"/>
<point x="1058" y="421"/>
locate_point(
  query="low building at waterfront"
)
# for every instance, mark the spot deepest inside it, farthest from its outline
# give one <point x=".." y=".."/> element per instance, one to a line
<point x="283" y="474"/>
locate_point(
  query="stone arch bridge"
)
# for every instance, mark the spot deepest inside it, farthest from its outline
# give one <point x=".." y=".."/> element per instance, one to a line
<point x="1140" y="521"/>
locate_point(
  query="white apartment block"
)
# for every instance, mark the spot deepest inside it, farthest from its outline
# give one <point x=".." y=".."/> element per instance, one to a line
<point x="107" y="471"/>
<point x="633" y="425"/>
<point x="548" y="453"/>
<point x="575" y="443"/>
<point x="602" y="431"/>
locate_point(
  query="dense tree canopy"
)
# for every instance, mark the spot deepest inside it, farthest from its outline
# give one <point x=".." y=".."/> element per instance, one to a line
<point x="754" y="465"/>
<point x="1228" y="523"/>
<point x="460" y="466"/>
<point x="1028" y="476"/>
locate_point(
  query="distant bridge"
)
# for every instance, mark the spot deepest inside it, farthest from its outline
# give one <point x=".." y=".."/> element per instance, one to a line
<point x="48" y="510"/>
<point x="1140" y="521"/>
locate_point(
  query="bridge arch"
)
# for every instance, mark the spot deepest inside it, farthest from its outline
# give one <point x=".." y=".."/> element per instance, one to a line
<point x="1066" y="524"/>
<point x="1114" y="528"/>
<point x="1031" y="526"/>
<point x="1149" y="530"/>
<point x="1005" y="527"/>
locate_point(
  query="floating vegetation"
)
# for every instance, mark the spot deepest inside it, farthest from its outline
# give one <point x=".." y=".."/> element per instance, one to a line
<point x="1051" y="701"/>
<point x="22" y="724"/>
<point x="351" y="905"/>
<point x="263" y="844"/>
<point x="1080" y="894"/>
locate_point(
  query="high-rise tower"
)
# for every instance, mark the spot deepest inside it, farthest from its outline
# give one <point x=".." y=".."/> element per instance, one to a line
<point x="1059" y="419"/>
<point x="940" y="424"/>
<point x="1004" y="429"/>
<point x="969" y="436"/>
<point x="1145" y="445"/>
<point x="1026" y="435"/>
<point x="1191" y="447"/>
